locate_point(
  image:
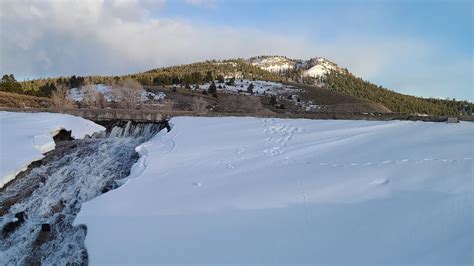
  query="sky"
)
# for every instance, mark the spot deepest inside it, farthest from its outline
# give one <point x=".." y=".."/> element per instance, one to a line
<point x="416" y="47"/>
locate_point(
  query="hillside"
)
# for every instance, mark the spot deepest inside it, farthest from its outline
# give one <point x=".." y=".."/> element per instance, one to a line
<point x="319" y="80"/>
<point x="323" y="73"/>
<point x="336" y="101"/>
<point x="351" y="85"/>
<point x="16" y="100"/>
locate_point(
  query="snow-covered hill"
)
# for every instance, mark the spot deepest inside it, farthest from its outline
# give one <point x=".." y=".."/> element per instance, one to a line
<point x="315" y="67"/>
<point x="292" y="191"/>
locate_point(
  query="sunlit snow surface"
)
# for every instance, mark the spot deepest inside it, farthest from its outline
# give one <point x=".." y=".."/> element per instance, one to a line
<point x="247" y="190"/>
<point x="25" y="137"/>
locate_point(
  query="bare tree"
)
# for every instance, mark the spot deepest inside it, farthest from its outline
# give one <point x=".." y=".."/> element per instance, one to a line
<point x="199" y="105"/>
<point x="90" y="95"/>
<point x="101" y="101"/>
<point x="166" y="108"/>
<point x="127" y="93"/>
<point x="61" y="97"/>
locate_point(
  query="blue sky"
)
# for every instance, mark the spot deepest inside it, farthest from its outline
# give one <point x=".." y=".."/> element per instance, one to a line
<point x="416" y="47"/>
<point x="442" y="28"/>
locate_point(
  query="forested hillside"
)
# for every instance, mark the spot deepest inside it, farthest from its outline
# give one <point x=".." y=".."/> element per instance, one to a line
<point x="198" y="73"/>
<point x="396" y="102"/>
<point x="332" y="78"/>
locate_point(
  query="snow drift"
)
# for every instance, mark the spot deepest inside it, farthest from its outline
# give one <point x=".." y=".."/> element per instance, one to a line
<point x="247" y="190"/>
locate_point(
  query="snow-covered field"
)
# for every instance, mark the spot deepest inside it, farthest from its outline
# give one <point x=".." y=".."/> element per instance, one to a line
<point x="248" y="190"/>
<point x="26" y="136"/>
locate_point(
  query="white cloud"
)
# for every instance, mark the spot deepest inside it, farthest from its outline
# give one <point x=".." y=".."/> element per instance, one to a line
<point x="202" y="3"/>
<point x="113" y="37"/>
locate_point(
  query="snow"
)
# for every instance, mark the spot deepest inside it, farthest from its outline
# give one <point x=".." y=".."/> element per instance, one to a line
<point x="26" y="136"/>
<point x="77" y="94"/>
<point x="316" y="71"/>
<point x="267" y="191"/>
<point x="274" y="63"/>
<point x="321" y="69"/>
<point x="260" y="87"/>
<point x="147" y="95"/>
<point x="315" y="67"/>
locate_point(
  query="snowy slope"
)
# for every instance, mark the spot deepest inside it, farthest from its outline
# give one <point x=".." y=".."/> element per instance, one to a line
<point x="273" y="63"/>
<point x="315" y="67"/>
<point x="318" y="67"/>
<point x="26" y="136"/>
<point x="247" y="190"/>
<point x="260" y="87"/>
<point x="78" y="94"/>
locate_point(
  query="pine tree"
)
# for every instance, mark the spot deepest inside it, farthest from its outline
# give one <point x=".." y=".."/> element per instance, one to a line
<point x="250" y="88"/>
<point x="209" y="76"/>
<point x="9" y="84"/>
<point x="231" y="82"/>
<point x="212" y="88"/>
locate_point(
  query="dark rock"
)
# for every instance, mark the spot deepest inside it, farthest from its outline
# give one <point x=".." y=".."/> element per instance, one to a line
<point x="20" y="216"/>
<point x="167" y="126"/>
<point x="62" y="135"/>
<point x="45" y="228"/>
<point x="12" y="226"/>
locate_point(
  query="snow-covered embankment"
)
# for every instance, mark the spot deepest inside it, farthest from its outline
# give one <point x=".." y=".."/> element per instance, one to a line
<point x="247" y="190"/>
<point x="25" y="137"/>
<point x="49" y="195"/>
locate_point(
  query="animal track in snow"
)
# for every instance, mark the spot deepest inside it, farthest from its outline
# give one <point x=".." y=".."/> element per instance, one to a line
<point x="273" y="151"/>
<point x="278" y="135"/>
<point x="386" y="162"/>
<point x="229" y="165"/>
<point x="240" y="152"/>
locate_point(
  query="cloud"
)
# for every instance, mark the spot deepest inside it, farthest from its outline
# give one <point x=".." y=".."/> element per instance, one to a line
<point x="105" y="37"/>
<point x="115" y="37"/>
<point x="202" y="3"/>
